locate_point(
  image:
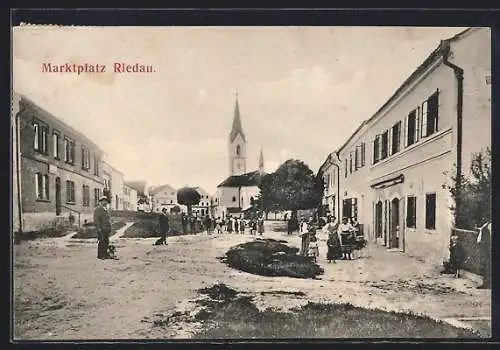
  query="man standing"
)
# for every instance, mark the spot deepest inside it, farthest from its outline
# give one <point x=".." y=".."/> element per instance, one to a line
<point x="103" y="224"/>
<point x="164" y="227"/>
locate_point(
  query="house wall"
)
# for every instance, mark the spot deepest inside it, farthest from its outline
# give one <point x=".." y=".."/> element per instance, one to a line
<point x="38" y="213"/>
<point x="129" y="198"/>
<point x="424" y="163"/>
<point x="16" y="224"/>
<point x="117" y="189"/>
<point x="473" y="54"/>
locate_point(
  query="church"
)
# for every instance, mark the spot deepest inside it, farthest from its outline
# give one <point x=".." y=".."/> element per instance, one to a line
<point x="236" y="192"/>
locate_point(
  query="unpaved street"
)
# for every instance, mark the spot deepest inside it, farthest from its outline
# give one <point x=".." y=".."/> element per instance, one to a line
<point x="63" y="292"/>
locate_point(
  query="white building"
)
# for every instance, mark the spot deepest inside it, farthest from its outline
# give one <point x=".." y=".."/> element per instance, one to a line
<point x="129" y="198"/>
<point x="113" y="181"/>
<point x="163" y="196"/>
<point x="390" y="172"/>
<point x="236" y="192"/>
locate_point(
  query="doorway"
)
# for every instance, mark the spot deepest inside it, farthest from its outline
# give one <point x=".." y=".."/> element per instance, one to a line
<point x="378" y="220"/>
<point x="394" y="224"/>
<point x="58" y="196"/>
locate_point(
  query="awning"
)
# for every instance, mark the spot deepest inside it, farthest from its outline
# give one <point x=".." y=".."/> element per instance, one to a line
<point x="388" y="182"/>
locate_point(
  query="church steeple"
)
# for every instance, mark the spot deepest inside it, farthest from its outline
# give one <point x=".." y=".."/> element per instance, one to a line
<point x="237" y="128"/>
<point x="261" y="161"/>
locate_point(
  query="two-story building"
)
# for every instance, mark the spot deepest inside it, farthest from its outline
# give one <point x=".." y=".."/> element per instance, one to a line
<point x="163" y="196"/>
<point x="392" y="168"/>
<point x="57" y="172"/>
<point x="114" y="183"/>
<point x="129" y="198"/>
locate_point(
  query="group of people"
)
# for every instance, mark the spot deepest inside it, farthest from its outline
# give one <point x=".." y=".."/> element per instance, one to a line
<point x="233" y="224"/>
<point x="343" y="238"/>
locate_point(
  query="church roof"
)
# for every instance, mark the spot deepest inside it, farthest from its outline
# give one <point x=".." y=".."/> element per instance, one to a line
<point x="246" y="180"/>
<point x="237" y="128"/>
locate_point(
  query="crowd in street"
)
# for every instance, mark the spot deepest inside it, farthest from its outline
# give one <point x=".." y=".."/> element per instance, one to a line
<point x="343" y="238"/>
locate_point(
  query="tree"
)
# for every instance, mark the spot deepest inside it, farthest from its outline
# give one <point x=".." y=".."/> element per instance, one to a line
<point x="472" y="194"/>
<point x="175" y="209"/>
<point x="292" y="186"/>
<point x="188" y="196"/>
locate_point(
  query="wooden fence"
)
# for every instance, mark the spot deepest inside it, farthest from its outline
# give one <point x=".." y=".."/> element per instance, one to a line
<point x="468" y="240"/>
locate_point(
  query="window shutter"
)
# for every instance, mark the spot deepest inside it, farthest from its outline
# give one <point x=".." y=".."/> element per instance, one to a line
<point x="405" y="126"/>
<point x="424" y="114"/>
<point x="436" y="126"/>
<point x="389" y="141"/>
<point x="363" y="153"/>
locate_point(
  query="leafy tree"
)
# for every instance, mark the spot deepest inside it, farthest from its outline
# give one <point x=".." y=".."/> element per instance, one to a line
<point x="472" y="193"/>
<point x="175" y="209"/>
<point x="293" y="186"/>
<point x="188" y="196"/>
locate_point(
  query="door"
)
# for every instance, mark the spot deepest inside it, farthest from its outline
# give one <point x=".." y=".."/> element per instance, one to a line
<point x="394" y="224"/>
<point x="378" y="220"/>
<point x="58" y="196"/>
<point x="402" y="225"/>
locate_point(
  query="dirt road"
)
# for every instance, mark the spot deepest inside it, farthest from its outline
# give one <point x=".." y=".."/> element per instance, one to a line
<point x="63" y="292"/>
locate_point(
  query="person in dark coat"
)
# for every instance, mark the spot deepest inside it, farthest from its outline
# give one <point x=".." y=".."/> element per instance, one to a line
<point x="456" y="255"/>
<point x="290" y="225"/>
<point x="102" y="223"/>
<point x="164" y="227"/>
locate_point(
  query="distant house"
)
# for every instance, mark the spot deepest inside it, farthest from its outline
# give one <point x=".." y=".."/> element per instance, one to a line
<point x="205" y="206"/>
<point x="129" y="198"/>
<point x="163" y="196"/>
<point x="114" y="184"/>
<point x="143" y="196"/>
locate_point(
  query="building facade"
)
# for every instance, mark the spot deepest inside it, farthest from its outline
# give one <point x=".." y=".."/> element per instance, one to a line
<point x="114" y="183"/>
<point x="205" y="206"/>
<point x="129" y="198"/>
<point x="391" y="171"/>
<point x="144" y="198"/>
<point x="163" y="196"/>
<point x="59" y="169"/>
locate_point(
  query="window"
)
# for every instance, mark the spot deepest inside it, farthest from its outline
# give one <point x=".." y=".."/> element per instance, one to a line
<point x="396" y="136"/>
<point x="86" y="195"/>
<point x="430" y="115"/>
<point x="69" y="150"/>
<point x="350" y="208"/>
<point x="430" y="211"/>
<point x="85" y="158"/>
<point x="70" y="191"/>
<point x="55" y="144"/>
<point x="40" y="142"/>
<point x="411" y="213"/>
<point x="376" y="149"/>
<point x="234" y="199"/>
<point x="350" y="163"/>
<point x="345" y="167"/>
<point x="411" y="128"/>
<point x="42" y="186"/>
<point x="385" y="145"/>
<point x="97" y="195"/>
<point x="238" y="150"/>
<point x="363" y="154"/>
<point x="357" y="158"/>
<point x="96" y="165"/>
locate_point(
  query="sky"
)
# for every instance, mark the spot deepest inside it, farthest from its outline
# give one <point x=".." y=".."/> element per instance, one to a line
<point x="302" y="91"/>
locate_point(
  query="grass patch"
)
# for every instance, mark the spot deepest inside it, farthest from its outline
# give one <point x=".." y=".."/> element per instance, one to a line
<point x="88" y="230"/>
<point x="59" y="229"/>
<point x="268" y="257"/>
<point x="146" y="225"/>
<point x="237" y="317"/>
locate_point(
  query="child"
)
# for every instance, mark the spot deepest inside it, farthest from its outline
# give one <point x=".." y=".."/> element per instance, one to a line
<point x="313" y="247"/>
<point x="456" y="255"/>
<point x="333" y="244"/>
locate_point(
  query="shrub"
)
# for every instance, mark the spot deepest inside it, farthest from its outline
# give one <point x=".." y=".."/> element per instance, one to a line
<point x="271" y="258"/>
<point x="88" y="230"/>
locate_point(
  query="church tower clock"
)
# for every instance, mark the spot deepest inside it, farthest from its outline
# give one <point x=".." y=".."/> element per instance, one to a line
<point x="237" y="144"/>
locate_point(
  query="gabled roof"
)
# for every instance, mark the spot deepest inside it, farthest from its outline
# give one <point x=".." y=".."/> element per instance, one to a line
<point x="156" y="189"/>
<point x="246" y="180"/>
<point x="438" y="51"/>
<point x="237" y="127"/>
<point x="140" y="186"/>
<point x="49" y="117"/>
